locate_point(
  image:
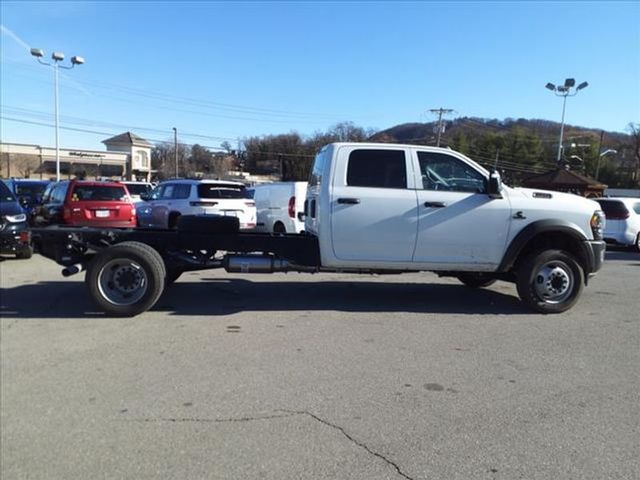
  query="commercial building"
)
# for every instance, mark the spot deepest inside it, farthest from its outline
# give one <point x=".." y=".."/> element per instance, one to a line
<point x="127" y="157"/>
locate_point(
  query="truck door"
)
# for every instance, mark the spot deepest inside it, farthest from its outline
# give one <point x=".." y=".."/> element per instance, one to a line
<point x="373" y="205"/>
<point x="458" y="223"/>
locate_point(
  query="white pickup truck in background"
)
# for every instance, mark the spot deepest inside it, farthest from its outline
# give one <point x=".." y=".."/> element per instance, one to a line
<point x="370" y="208"/>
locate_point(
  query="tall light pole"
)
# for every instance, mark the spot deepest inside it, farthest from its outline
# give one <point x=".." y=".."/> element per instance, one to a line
<point x="564" y="91"/>
<point x="57" y="57"/>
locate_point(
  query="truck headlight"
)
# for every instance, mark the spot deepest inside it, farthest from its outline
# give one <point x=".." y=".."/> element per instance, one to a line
<point x="597" y="224"/>
<point x="21" y="217"/>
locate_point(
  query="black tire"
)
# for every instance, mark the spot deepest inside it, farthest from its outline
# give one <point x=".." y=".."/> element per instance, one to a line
<point x="637" y="248"/>
<point x="279" y="228"/>
<point x="476" y="280"/>
<point x="24" y="252"/>
<point x="208" y="224"/>
<point x="126" y="279"/>
<point x="550" y="281"/>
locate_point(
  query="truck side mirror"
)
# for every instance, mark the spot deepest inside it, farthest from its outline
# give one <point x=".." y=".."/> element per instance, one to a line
<point x="495" y="185"/>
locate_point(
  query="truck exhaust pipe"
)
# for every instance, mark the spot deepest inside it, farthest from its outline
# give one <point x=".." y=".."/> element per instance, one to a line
<point x="261" y="264"/>
<point x="73" y="269"/>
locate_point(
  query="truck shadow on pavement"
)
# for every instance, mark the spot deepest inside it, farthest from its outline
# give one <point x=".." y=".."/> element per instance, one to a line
<point x="212" y="296"/>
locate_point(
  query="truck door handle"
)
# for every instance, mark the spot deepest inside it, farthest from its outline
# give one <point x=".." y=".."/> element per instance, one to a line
<point x="349" y="201"/>
<point x="435" y="204"/>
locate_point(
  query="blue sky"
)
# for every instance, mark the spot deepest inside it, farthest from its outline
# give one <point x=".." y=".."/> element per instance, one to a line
<point x="221" y="71"/>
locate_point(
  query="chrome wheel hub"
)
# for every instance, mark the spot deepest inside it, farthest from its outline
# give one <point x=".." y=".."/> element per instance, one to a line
<point x="122" y="282"/>
<point x="554" y="282"/>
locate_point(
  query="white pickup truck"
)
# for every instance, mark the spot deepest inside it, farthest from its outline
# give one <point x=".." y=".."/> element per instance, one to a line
<point x="370" y="208"/>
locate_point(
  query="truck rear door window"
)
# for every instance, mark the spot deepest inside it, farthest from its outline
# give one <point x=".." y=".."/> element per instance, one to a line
<point x="377" y="168"/>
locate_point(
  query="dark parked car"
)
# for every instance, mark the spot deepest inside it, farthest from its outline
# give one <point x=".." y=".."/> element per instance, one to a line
<point x="28" y="192"/>
<point x="83" y="203"/>
<point x="14" y="230"/>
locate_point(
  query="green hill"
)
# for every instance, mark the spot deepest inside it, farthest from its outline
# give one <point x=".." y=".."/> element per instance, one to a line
<point x="522" y="147"/>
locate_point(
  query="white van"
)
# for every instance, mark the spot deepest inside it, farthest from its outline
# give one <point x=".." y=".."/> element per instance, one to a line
<point x="280" y="206"/>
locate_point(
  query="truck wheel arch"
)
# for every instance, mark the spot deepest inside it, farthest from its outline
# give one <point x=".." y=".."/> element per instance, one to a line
<point x="553" y="234"/>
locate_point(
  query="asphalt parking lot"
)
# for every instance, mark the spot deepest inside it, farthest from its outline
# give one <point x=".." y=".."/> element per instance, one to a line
<point x="294" y="376"/>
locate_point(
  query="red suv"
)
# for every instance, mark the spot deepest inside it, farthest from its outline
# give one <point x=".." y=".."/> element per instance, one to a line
<point x="83" y="203"/>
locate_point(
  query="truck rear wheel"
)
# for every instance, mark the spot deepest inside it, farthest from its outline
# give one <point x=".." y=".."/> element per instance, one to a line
<point x="476" y="280"/>
<point x="550" y="281"/>
<point x="126" y="279"/>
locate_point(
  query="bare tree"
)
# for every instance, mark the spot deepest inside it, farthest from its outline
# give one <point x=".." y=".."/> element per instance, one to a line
<point x="163" y="160"/>
<point x="25" y="165"/>
<point x="634" y="131"/>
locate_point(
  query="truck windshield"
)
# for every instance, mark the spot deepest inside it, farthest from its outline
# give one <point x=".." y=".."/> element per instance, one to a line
<point x="318" y="167"/>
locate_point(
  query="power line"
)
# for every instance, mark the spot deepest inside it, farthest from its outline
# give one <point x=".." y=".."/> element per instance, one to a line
<point x="200" y="102"/>
<point x="95" y="123"/>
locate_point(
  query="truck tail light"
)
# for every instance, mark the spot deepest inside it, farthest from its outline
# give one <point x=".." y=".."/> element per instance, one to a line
<point x="292" y="207"/>
<point x="203" y="204"/>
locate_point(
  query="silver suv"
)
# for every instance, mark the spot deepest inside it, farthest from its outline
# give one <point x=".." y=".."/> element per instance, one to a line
<point x="173" y="198"/>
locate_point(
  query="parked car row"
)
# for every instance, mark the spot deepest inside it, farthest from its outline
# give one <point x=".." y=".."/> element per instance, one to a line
<point x="14" y="229"/>
<point x="173" y="198"/>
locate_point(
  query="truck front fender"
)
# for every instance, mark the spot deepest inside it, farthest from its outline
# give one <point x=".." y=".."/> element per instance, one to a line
<point x="551" y="233"/>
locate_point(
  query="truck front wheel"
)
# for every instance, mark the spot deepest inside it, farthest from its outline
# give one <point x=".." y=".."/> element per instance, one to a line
<point x="550" y="281"/>
<point x="126" y="279"/>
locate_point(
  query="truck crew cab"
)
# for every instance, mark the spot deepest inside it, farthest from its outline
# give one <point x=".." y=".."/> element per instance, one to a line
<point x="370" y="208"/>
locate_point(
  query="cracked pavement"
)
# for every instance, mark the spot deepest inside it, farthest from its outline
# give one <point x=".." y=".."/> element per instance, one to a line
<point x="318" y="377"/>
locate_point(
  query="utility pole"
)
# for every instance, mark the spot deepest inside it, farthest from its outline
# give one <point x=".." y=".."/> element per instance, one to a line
<point x="598" y="153"/>
<point x="440" y="111"/>
<point x="175" y="147"/>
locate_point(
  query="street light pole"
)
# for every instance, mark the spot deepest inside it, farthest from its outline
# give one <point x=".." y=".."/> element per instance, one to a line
<point x="57" y="57"/>
<point x="57" y="122"/>
<point x="564" y="108"/>
<point x="564" y="91"/>
<point x="600" y="155"/>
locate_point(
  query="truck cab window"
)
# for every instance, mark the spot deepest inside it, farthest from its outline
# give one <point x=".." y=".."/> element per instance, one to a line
<point x="377" y="169"/>
<point x="445" y="172"/>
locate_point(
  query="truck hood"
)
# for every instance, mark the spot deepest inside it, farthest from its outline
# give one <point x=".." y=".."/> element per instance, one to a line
<point x="566" y="199"/>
